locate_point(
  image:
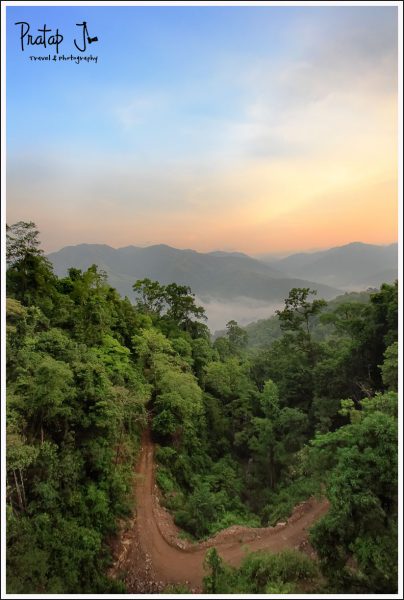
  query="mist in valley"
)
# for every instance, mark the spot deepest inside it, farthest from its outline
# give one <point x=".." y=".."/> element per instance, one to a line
<point x="242" y="309"/>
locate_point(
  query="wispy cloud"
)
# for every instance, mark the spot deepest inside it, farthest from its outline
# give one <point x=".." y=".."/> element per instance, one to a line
<point x="133" y="108"/>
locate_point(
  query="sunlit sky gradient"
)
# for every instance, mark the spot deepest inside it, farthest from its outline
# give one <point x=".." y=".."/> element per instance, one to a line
<point x="259" y="129"/>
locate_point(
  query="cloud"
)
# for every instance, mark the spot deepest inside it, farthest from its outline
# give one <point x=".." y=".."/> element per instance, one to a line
<point x="342" y="70"/>
<point x="132" y="108"/>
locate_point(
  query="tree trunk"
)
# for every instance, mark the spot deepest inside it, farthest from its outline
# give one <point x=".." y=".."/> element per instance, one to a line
<point x="271" y="468"/>
<point x="23" y="490"/>
<point x="18" y="491"/>
<point x="118" y="446"/>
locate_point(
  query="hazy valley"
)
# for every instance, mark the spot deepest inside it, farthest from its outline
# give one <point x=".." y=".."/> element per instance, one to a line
<point x="231" y="285"/>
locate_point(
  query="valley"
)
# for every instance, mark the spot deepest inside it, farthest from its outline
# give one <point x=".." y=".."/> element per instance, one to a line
<point x="231" y="285"/>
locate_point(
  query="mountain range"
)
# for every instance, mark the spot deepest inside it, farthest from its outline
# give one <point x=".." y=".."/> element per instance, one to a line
<point x="218" y="275"/>
<point x="233" y="285"/>
<point x="355" y="266"/>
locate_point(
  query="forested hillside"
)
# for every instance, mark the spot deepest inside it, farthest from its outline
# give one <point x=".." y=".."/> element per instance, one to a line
<point x="241" y="436"/>
<point x="263" y="332"/>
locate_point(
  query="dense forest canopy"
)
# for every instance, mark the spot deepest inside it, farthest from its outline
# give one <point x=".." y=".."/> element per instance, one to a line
<point x="242" y="434"/>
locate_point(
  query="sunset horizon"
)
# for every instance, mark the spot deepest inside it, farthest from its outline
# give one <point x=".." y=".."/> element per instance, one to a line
<point x="270" y="252"/>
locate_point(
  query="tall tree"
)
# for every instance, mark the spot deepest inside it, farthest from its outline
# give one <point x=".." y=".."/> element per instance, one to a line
<point x="30" y="277"/>
<point x="297" y="317"/>
<point x="22" y="240"/>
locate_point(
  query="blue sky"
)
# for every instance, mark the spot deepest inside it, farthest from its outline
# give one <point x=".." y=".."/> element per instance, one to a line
<point x="181" y="58"/>
<point x="210" y="127"/>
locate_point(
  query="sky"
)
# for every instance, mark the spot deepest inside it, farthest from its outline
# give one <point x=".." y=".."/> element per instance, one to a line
<point x="257" y="129"/>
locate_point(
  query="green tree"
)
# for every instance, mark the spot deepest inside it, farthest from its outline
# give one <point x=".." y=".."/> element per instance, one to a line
<point x="360" y="460"/>
<point x="182" y="309"/>
<point x="297" y="318"/>
<point x="389" y="367"/>
<point x="22" y="241"/>
<point x="150" y="296"/>
<point x="214" y="563"/>
<point x="237" y="337"/>
<point x="276" y="436"/>
<point x="29" y="276"/>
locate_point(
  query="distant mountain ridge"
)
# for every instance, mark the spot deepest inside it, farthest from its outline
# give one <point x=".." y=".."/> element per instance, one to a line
<point x="218" y="275"/>
<point x="354" y="266"/>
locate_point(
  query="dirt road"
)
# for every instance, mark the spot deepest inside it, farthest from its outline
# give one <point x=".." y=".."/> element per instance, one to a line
<point x="150" y="554"/>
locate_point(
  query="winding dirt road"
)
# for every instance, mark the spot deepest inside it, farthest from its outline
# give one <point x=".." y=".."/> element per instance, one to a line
<point x="150" y="554"/>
